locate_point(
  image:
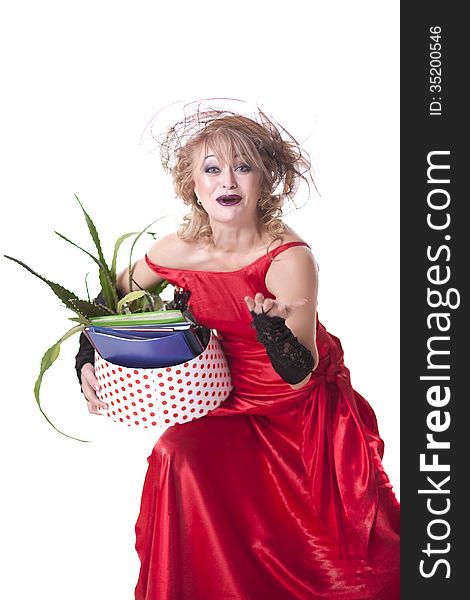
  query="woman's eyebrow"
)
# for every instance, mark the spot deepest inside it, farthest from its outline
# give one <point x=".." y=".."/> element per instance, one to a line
<point x="236" y="156"/>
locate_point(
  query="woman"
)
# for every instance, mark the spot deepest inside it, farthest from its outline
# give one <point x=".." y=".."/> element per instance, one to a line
<point x="279" y="493"/>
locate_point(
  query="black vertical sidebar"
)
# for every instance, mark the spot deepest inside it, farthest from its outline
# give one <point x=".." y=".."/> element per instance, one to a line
<point x="435" y="268"/>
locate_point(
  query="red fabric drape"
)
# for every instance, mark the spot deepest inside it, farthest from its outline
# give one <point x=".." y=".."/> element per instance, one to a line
<point x="278" y="493"/>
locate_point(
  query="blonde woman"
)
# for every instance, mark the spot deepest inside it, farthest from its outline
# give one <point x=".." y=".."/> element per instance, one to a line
<point x="279" y="493"/>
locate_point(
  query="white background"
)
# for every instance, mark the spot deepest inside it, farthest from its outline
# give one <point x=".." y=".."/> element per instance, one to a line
<point x="80" y="81"/>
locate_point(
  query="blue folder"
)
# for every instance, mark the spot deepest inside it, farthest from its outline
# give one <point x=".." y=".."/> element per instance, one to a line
<point x="127" y="349"/>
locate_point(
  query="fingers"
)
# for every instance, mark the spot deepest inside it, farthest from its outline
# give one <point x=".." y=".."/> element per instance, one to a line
<point x="259" y="304"/>
<point x="267" y="305"/>
<point x="275" y="308"/>
<point x="90" y="387"/>
<point x="250" y="303"/>
<point x="262" y="304"/>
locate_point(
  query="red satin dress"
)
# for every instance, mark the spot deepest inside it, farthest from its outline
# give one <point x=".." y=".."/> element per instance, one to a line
<point x="278" y="494"/>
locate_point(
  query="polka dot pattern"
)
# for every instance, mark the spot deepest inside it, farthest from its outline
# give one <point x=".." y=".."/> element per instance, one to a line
<point x="168" y="395"/>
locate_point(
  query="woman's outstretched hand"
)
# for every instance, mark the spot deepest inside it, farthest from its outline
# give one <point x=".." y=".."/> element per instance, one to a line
<point x="90" y="386"/>
<point x="275" y="308"/>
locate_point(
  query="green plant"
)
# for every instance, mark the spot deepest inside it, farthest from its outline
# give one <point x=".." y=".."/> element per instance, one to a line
<point x="136" y="301"/>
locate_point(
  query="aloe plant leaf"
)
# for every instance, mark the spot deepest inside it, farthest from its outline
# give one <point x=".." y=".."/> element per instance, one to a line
<point x="109" y="291"/>
<point x="50" y="356"/>
<point x="93" y="231"/>
<point x="90" y="309"/>
<point x="108" y="283"/>
<point x="97" y="261"/>
<point x="130" y="297"/>
<point x="138" y="236"/>
<point x="65" y="295"/>
<point x="86" y="286"/>
<point x="82" y="320"/>
<point x="117" y="246"/>
<point x="106" y="280"/>
<point x="161" y="285"/>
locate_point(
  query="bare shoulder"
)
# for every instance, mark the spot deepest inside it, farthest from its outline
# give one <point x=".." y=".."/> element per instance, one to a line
<point x="173" y="252"/>
<point x="294" y="260"/>
<point x="293" y="267"/>
<point x="160" y="247"/>
<point x="295" y="256"/>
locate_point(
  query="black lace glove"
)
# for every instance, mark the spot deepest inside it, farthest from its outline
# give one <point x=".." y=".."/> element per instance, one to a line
<point x="86" y="354"/>
<point x="289" y="358"/>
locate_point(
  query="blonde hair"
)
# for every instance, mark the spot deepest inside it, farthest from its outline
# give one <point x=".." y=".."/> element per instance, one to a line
<point x="281" y="163"/>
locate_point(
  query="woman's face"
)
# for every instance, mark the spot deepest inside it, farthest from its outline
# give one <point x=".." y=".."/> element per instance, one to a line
<point x="227" y="192"/>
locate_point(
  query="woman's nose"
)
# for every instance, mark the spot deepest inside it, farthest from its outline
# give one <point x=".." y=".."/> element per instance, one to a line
<point x="229" y="181"/>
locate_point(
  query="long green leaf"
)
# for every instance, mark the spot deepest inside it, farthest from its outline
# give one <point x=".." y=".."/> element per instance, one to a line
<point x="109" y="293"/>
<point x="86" y="286"/>
<point x="50" y="356"/>
<point x="117" y="246"/>
<point x="82" y="320"/>
<point x="93" y="231"/>
<point x="103" y="273"/>
<point x="108" y="284"/>
<point x="90" y="309"/>
<point x="138" y="236"/>
<point x="97" y="261"/>
<point x="66" y="296"/>
<point x="161" y="285"/>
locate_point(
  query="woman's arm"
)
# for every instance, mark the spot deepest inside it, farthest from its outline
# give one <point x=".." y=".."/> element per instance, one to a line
<point x="169" y="251"/>
<point x="142" y="277"/>
<point x="293" y="280"/>
<point x="293" y="276"/>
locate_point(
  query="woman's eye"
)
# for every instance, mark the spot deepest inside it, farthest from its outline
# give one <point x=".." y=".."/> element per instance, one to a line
<point x="212" y="169"/>
<point x="243" y="168"/>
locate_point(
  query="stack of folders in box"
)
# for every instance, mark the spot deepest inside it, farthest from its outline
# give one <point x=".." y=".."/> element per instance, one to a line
<point x="145" y="340"/>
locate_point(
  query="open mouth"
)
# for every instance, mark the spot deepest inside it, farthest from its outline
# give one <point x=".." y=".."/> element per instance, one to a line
<point x="229" y="200"/>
